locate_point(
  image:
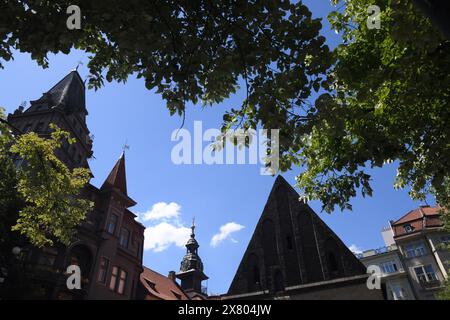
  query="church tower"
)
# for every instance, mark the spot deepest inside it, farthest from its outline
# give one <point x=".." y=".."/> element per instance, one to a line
<point x="191" y="270"/>
<point x="64" y="105"/>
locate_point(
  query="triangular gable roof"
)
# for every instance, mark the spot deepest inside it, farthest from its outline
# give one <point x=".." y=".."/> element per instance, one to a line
<point x="310" y="236"/>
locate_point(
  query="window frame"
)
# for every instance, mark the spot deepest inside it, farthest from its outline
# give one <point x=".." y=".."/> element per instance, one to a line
<point x="104" y="269"/>
<point x="389" y="265"/>
<point x="120" y="278"/>
<point x="425" y="274"/>
<point x="127" y="243"/>
<point x="415" y="250"/>
<point x="114" y="274"/>
<point x="115" y="224"/>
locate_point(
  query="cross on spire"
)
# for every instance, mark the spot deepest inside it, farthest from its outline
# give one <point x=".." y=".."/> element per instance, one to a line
<point x="193" y="225"/>
<point x="125" y="146"/>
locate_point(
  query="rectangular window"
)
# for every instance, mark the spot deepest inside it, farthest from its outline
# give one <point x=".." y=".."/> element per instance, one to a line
<point x="112" y="223"/>
<point x="420" y="250"/>
<point x="414" y="250"/>
<point x="122" y="282"/>
<point x="103" y="271"/>
<point x="113" y="281"/>
<point x="124" y="237"/>
<point x="425" y="273"/>
<point x="397" y="292"/>
<point x="431" y="275"/>
<point x="118" y="280"/>
<point x="389" y="267"/>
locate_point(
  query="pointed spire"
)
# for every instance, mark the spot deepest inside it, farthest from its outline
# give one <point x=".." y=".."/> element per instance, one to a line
<point x="117" y="176"/>
<point x="68" y="94"/>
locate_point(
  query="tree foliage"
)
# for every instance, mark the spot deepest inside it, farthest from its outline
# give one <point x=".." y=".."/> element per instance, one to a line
<point x="189" y="50"/>
<point x="40" y="194"/>
<point x="388" y="101"/>
<point x="383" y="92"/>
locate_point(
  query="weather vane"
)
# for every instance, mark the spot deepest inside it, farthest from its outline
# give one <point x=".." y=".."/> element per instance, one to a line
<point x="125" y="146"/>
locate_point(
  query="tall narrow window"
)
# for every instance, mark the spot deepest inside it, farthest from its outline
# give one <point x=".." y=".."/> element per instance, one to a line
<point x="124" y="237"/>
<point x="112" y="223"/>
<point x="103" y="271"/>
<point x="122" y="282"/>
<point x="113" y="281"/>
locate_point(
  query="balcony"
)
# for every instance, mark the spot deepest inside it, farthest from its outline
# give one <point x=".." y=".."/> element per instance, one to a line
<point x="430" y="285"/>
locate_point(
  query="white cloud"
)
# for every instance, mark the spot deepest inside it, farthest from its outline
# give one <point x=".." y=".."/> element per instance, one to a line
<point x="162" y="210"/>
<point x="355" y="249"/>
<point x="161" y="236"/>
<point x="225" y="231"/>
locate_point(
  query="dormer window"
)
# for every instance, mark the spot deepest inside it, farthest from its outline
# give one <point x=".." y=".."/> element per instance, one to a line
<point x="408" y="228"/>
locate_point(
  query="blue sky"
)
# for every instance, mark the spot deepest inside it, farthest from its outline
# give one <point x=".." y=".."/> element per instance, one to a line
<point x="217" y="195"/>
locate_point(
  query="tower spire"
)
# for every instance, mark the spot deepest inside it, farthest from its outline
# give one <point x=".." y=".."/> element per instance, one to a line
<point x="191" y="269"/>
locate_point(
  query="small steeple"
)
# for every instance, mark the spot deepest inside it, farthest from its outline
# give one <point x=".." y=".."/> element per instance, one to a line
<point x="191" y="269"/>
<point x="117" y="176"/>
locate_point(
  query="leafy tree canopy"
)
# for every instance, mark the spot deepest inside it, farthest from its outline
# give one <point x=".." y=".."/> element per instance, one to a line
<point x="39" y="196"/>
<point x="384" y="93"/>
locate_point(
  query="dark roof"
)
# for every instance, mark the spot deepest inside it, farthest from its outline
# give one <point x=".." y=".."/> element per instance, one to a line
<point x="161" y="287"/>
<point x="117" y="176"/>
<point x="308" y="231"/>
<point x="68" y="94"/>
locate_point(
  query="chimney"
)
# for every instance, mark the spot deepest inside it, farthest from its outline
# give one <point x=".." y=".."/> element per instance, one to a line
<point x="171" y="275"/>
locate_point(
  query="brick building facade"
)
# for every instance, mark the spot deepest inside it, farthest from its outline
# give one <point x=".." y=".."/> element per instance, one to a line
<point x="109" y="243"/>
